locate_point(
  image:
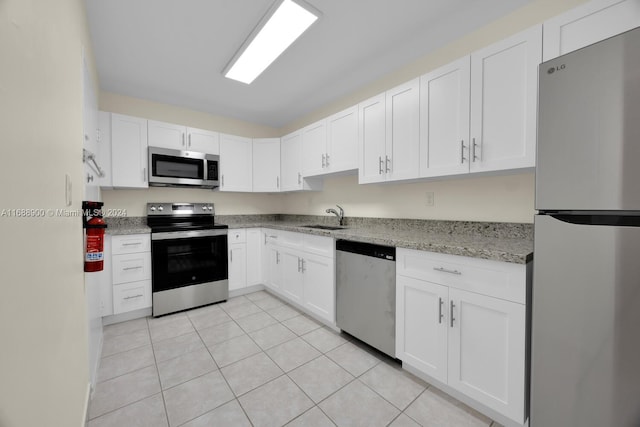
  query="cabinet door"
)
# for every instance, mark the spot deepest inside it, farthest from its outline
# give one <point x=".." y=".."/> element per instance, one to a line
<point x="444" y="119"/>
<point x="273" y="272"/>
<point x="254" y="257"/>
<point x="290" y="148"/>
<point x="487" y="351"/>
<point x="167" y="135"/>
<point x="236" y="163"/>
<point x="291" y="274"/>
<point x="266" y="165"/>
<point x="587" y="24"/>
<point x="129" y="151"/>
<point x="314" y="149"/>
<point x="421" y="326"/>
<point x="104" y="148"/>
<point x="203" y="141"/>
<point x="372" y="140"/>
<point x="319" y="286"/>
<point x="342" y="141"/>
<point x="402" y="157"/>
<point x="504" y="90"/>
<point x="237" y="266"/>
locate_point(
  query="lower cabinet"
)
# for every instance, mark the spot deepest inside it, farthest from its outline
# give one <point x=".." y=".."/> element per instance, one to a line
<point x="245" y="258"/>
<point x="131" y="272"/>
<point x="472" y="342"/>
<point x="301" y="268"/>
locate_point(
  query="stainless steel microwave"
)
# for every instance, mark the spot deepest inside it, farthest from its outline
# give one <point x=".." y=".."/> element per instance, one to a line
<point x="176" y="168"/>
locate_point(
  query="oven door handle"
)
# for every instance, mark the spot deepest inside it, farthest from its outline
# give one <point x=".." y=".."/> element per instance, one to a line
<point x="170" y="235"/>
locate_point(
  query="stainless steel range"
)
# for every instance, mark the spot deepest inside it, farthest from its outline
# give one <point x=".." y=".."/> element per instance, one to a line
<point x="189" y="256"/>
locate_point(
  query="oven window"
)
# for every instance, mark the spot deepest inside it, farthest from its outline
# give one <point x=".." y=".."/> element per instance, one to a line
<point x="177" y="167"/>
<point x="183" y="262"/>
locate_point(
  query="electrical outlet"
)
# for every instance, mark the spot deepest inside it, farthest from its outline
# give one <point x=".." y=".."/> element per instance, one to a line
<point x="430" y="199"/>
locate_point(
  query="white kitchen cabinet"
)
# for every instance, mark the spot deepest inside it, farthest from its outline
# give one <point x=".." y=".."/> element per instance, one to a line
<point x="318" y="282"/>
<point x="266" y="165"/>
<point x="445" y="96"/>
<point x="314" y="148"/>
<point x="291" y="165"/>
<point x="271" y="260"/>
<point x="129" y="151"/>
<point x="504" y="90"/>
<point x="587" y="24"/>
<point x="254" y="257"/>
<point x="178" y="137"/>
<point x="131" y="272"/>
<point x="104" y="149"/>
<point x="292" y="278"/>
<point x="422" y="315"/>
<point x="402" y="159"/>
<point x="237" y="260"/>
<point x="342" y="141"/>
<point x="236" y="163"/>
<point x="372" y="139"/>
<point x="461" y="322"/>
<point x="487" y="351"/>
<point x="389" y="135"/>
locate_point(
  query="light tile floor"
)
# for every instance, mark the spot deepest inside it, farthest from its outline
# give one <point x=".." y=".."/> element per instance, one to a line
<point x="256" y="361"/>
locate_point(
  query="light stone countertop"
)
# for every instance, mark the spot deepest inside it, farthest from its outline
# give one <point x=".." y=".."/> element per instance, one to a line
<point x="494" y="241"/>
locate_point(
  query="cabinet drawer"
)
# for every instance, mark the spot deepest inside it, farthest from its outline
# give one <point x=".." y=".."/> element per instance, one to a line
<point x="131" y="296"/>
<point x="237" y="236"/>
<point x="131" y="267"/>
<point x="130" y="243"/>
<point x="498" y="279"/>
<point x="320" y="245"/>
<point x="290" y="239"/>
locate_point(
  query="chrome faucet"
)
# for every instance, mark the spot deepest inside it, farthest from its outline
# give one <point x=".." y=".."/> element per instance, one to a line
<point x="340" y="214"/>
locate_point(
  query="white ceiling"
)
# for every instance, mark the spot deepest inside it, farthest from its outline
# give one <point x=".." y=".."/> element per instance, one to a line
<point x="174" y="51"/>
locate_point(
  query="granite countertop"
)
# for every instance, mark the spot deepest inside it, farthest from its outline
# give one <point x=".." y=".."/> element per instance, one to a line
<point x="506" y="242"/>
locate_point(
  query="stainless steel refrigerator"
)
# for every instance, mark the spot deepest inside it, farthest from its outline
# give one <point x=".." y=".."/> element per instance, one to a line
<point x="585" y="337"/>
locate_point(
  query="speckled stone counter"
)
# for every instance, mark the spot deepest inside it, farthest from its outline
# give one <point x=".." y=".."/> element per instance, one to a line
<point x="495" y="241"/>
<point x="127" y="225"/>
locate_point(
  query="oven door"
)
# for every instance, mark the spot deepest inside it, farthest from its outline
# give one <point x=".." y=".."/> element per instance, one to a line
<point x="186" y="258"/>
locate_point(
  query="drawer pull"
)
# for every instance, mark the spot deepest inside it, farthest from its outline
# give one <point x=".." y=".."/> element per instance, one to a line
<point x="445" y="270"/>
<point x="132" y="268"/>
<point x="132" y="244"/>
<point x="134" y="296"/>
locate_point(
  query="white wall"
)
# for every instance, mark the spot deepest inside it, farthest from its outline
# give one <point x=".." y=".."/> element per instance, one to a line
<point x="43" y="334"/>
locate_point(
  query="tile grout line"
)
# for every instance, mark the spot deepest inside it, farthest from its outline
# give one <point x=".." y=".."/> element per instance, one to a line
<point x="164" y="403"/>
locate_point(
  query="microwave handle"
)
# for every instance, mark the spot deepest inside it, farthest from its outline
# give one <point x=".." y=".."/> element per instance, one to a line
<point x="144" y="174"/>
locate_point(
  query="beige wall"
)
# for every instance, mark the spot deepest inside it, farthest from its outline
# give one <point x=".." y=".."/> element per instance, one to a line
<point x="43" y="332"/>
<point x="500" y="198"/>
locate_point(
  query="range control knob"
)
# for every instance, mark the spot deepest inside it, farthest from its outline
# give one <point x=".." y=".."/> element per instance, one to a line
<point x="152" y="208"/>
<point x="160" y="208"/>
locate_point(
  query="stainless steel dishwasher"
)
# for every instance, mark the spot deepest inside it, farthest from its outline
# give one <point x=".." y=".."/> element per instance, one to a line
<point x="366" y="293"/>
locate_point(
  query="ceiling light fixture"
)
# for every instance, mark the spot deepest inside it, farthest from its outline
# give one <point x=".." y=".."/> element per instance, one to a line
<point x="278" y="29"/>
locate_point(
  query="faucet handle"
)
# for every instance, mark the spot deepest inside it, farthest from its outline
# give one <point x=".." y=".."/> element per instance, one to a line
<point x="341" y="210"/>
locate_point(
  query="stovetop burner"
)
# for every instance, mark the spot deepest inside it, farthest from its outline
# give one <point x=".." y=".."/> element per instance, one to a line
<point x="168" y="217"/>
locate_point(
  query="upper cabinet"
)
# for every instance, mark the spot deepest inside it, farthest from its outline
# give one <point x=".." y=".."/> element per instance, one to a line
<point x="588" y="24"/>
<point x="314" y="148"/>
<point x="342" y="141"/>
<point x="388" y="137"/>
<point x="291" y="175"/>
<point x="129" y="151"/>
<point x="177" y="137"/>
<point x="266" y="165"/>
<point x="504" y="91"/>
<point x="236" y="163"/>
<point x="445" y="95"/>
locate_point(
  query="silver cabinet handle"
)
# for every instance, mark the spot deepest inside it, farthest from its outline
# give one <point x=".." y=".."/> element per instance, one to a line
<point x="144" y="174"/>
<point x="302" y="268"/>
<point x="277" y="182"/>
<point x="323" y="162"/>
<point x="132" y="268"/>
<point x="299" y="178"/>
<point x="440" y="315"/>
<point x="445" y="270"/>
<point x="265" y="239"/>
<point x="134" y="296"/>
<point x="132" y="244"/>
<point x="277" y="257"/>
<point x="452" y="318"/>
<point x="387" y="161"/>
<point x="273" y="237"/>
<point x="183" y="139"/>
<point x="462" y="147"/>
<point x="222" y="180"/>
<point x="189" y="142"/>
<point x="380" y="171"/>
<point x="473" y="151"/>
<point x="231" y="255"/>
<point x="327" y="159"/>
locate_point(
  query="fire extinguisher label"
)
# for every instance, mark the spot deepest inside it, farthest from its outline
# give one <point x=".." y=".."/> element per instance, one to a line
<point x="94" y="256"/>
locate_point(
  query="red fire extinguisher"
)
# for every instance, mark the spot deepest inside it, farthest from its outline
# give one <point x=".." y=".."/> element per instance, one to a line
<point x="94" y="251"/>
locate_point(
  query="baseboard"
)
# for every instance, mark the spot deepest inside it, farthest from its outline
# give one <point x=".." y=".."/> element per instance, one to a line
<point x="129" y="315"/>
<point x="85" y="411"/>
<point x="244" y="291"/>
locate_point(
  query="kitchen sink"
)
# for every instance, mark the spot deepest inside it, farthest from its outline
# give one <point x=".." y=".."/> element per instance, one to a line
<point x="324" y="227"/>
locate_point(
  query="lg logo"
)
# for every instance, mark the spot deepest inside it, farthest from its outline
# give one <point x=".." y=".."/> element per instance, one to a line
<point x="554" y="69"/>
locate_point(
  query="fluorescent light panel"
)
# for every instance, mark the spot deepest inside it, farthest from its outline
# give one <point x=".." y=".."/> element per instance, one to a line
<point x="286" y="24"/>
